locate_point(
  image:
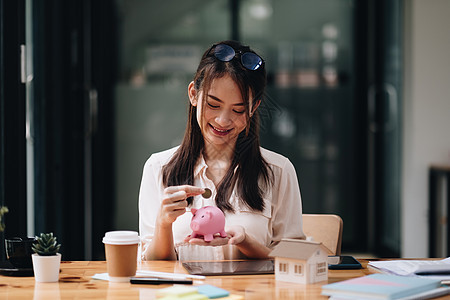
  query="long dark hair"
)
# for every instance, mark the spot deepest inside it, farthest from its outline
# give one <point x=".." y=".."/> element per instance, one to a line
<point x="248" y="172"/>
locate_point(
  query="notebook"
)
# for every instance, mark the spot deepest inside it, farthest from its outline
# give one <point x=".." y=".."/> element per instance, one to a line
<point x="379" y="286"/>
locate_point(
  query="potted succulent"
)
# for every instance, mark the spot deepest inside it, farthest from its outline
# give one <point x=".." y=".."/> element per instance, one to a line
<point x="46" y="259"/>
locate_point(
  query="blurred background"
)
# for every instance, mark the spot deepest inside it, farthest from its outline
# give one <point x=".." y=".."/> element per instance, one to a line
<point x="357" y="99"/>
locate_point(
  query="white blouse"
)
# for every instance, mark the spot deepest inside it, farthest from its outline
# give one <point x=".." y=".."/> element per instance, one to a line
<point x="281" y="218"/>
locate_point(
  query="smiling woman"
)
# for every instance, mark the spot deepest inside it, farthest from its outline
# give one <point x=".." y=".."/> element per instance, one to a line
<point x="221" y="114"/>
<point x="256" y="189"/>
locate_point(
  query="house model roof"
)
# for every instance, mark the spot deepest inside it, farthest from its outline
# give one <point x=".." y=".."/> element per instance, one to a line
<point x="296" y="249"/>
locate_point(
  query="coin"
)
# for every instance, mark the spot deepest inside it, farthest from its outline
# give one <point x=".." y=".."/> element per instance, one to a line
<point x="207" y="193"/>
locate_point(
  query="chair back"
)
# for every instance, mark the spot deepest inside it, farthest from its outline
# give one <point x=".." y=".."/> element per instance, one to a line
<point x="324" y="228"/>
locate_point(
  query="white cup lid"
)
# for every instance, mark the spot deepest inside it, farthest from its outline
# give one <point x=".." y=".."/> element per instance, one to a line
<point x="121" y="237"/>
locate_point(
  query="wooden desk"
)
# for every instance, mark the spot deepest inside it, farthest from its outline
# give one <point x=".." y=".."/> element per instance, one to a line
<point x="75" y="282"/>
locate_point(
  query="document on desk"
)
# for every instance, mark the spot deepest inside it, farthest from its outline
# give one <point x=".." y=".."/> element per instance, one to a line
<point x="161" y="275"/>
<point x="437" y="269"/>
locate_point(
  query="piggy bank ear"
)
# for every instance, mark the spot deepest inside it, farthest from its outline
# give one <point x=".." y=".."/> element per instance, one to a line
<point x="193" y="211"/>
<point x="208" y="214"/>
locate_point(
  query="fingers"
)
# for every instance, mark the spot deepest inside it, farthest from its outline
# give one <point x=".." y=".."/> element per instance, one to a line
<point x="174" y="202"/>
<point x="217" y="241"/>
<point x="237" y="234"/>
<point x="172" y="198"/>
<point x="235" y="240"/>
<point x="169" y="213"/>
<point x="173" y="194"/>
<point x="189" y="190"/>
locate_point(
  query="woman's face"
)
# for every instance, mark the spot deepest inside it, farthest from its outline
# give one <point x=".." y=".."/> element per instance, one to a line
<point x="223" y="115"/>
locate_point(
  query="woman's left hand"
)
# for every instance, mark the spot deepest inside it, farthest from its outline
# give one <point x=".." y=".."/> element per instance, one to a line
<point x="235" y="235"/>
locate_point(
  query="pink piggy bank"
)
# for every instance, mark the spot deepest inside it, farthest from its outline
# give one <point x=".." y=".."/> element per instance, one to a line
<point x="206" y="222"/>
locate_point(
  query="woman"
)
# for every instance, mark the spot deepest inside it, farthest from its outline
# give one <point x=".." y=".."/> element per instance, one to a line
<point x="256" y="189"/>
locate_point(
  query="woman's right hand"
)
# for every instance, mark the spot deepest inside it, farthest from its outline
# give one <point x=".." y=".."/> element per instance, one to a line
<point x="174" y="202"/>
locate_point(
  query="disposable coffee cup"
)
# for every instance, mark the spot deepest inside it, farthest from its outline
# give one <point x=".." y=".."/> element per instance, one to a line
<point x="121" y="248"/>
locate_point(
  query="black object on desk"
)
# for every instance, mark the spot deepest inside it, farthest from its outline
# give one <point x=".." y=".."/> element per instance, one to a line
<point x="19" y="251"/>
<point x="7" y="269"/>
<point x="439" y="175"/>
<point x="154" y="280"/>
<point x="343" y="262"/>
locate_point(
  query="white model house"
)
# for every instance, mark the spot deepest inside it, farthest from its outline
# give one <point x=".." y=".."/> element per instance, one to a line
<point x="300" y="261"/>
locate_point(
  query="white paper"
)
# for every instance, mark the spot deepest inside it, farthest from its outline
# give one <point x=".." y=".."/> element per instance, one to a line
<point x="410" y="267"/>
<point x="101" y="276"/>
<point x="104" y="276"/>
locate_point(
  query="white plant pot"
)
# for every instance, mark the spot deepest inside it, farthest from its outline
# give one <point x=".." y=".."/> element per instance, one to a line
<point x="46" y="268"/>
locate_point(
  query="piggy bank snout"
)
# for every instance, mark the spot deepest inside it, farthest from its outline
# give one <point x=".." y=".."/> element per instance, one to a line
<point x="195" y="226"/>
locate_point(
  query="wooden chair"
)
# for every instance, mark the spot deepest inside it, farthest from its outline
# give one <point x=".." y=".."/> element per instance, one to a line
<point x="324" y="228"/>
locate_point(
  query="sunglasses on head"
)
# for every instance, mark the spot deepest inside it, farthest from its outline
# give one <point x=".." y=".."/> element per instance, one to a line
<point x="249" y="60"/>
